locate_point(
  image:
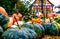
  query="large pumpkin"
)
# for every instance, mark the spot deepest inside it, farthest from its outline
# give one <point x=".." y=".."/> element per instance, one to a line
<point x="3" y="11"/>
<point x="36" y="27"/>
<point x="51" y="28"/>
<point x="3" y="19"/>
<point x="1" y="30"/>
<point x="47" y="27"/>
<point x="31" y="34"/>
<point x="55" y="29"/>
<point x="23" y="33"/>
<point x="28" y="25"/>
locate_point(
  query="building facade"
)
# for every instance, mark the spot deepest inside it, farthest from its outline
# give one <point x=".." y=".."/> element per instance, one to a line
<point x="46" y="6"/>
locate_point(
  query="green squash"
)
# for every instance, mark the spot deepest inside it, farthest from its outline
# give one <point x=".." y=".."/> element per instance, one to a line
<point x="51" y="28"/>
<point x="3" y="20"/>
<point x="31" y="34"/>
<point x="54" y="29"/>
<point x="15" y="33"/>
<point x="38" y="28"/>
<point x="1" y="31"/>
<point x="47" y="27"/>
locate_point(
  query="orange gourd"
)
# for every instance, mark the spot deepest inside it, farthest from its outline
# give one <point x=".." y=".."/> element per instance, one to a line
<point x="20" y="16"/>
<point x="52" y="15"/>
<point x="36" y="20"/>
<point x="2" y="10"/>
<point x="33" y="20"/>
<point x="29" y="20"/>
<point x="49" y="15"/>
<point x="16" y="17"/>
<point x="40" y="15"/>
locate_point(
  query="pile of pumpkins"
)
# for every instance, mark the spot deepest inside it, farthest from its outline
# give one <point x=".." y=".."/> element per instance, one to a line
<point x="27" y="30"/>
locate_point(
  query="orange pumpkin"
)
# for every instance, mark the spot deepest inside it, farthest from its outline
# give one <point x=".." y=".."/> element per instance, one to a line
<point x="40" y="21"/>
<point x="40" y="15"/>
<point x="2" y="10"/>
<point x="52" y="15"/>
<point x="20" y="16"/>
<point x="16" y="17"/>
<point x="29" y="20"/>
<point x="49" y="15"/>
<point x="33" y="20"/>
<point x="37" y="20"/>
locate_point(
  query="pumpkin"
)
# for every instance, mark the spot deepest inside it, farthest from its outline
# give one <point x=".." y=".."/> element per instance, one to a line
<point x="51" y="28"/>
<point x="39" y="15"/>
<point x="31" y="34"/>
<point x="39" y="29"/>
<point x="57" y="20"/>
<point x="1" y="30"/>
<point x="29" y="20"/>
<point x="33" y="20"/>
<point x="15" y="33"/>
<point x="3" y="20"/>
<point x="16" y="17"/>
<point x="40" y="21"/>
<point x="47" y="27"/>
<point x="49" y="15"/>
<point x="52" y="15"/>
<point x="3" y="11"/>
<point x="28" y="25"/>
<point x="20" y="16"/>
<point x="54" y="29"/>
<point x="37" y="20"/>
<point x="36" y="27"/>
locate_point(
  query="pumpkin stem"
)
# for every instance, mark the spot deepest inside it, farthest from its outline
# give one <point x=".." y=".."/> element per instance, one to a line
<point x="50" y="20"/>
<point x="17" y="23"/>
